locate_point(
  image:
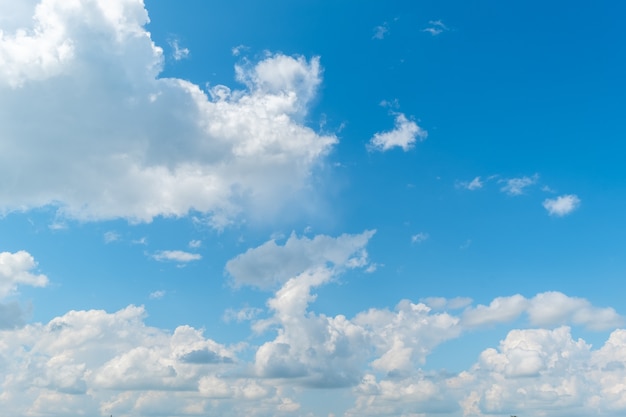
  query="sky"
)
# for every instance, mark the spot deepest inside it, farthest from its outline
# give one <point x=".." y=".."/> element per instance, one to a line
<point x="312" y="208"/>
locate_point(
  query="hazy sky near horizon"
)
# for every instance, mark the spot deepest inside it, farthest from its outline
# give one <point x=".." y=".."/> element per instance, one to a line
<point x="312" y="208"/>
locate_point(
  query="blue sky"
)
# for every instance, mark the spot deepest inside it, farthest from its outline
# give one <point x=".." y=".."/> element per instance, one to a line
<point x="312" y="208"/>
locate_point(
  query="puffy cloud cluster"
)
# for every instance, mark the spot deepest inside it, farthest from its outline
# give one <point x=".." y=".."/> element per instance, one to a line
<point x="112" y="139"/>
<point x="99" y="363"/>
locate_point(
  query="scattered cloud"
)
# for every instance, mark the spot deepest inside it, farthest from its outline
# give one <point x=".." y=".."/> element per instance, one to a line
<point x="157" y="295"/>
<point x="381" y="31"/>
<point x="111" y="236"/>
<point x="239" y="49"/>
<point x="562" y="205"/>
<point x="195" y="244"/>
<point x="436" y="27"/>
<point x="176" y="255"/>
<point x="419" y="237"/>
<point x="145" y="146"/>
<point x="472" y="185"/>
<point x="270" y="264"/>
<point x="516" y="186"/>
<point x="404" y="135"/>
<point x="178" y="53"/>
<point x="243" y="314"/>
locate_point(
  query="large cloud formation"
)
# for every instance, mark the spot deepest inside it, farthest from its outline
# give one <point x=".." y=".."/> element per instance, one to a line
<point x="88" y="126"/>
<point x="99" y="363"/>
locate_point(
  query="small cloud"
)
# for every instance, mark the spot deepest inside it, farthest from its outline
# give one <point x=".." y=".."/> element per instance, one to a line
<point x="157" y="295"/>
<point x="404" y="135"/>
<point x="178" y="52"/>
<point x="562" y="205"/>
<point x="176" y="255"/>
<point x="381" y="31"/>
<point x="516" y="186"/>
<point x="237" y="50"/>
<point x="391" y="104"/>
<point x="57" y="226"/>
<point x="420" y="237"/>
<point x="436" y="27"/>
<point x="110" y="237"/>
<point x="472" y="185"/>
<point x="195" y="244"/>
<point x="244" y="314"/>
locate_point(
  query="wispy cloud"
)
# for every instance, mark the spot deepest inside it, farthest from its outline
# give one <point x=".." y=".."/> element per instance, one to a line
<point x="110" y="237"/>
<point x="436" y="27"/>
<point x="195" y="244"/>
<point x="419" y="237"/>
<point x="176" y="255"/>
<point x="178" y="52"/>
<point x="472" y="185"/>
<point x="157" y="295"/>
<point x="381" y="31"/>
<point x="516" y="186"/>
<point x="562" y="205"/>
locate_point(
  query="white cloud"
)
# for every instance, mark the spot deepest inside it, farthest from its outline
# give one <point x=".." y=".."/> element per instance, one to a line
<point x="113" y="140"/>
<point x="472" y="185"/>
<point x="516" y="186"/>
<point x="243" y="314"/>
<point x="178" y="53"/>
<point x="545" y="309"/>
<point x="436" y="27"/>
<point x="419" y="237"/>
<point x="111" y="236"/>
<point x="271" y="264"/>
<point x="562" y="205"/>
<point x="195" y="244"/>
<point x="404" y="135"/>
<point x="157" y="295"/>
<point x="176" y="255"/>
<point x="381" y="31"/>
<point x="17" y="269"/>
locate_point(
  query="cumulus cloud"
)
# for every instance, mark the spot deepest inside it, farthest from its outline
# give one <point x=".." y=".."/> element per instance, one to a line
<point x="404" y="135"/>
<point x="17" y="269"/>
<point x="176" y="255"/>
<point x="545" y="309"/>
<point x="113" y="140"/>
<point x="271" y="264"/>
<point x="562" y="205"/>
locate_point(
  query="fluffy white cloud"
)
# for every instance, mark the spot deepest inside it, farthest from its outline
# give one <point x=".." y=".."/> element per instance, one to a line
<point x="271" y="264"/>
<point x="112" y="139"/>
<point x="404" y="135"/>
<point x="562" y="205"/>
<point x="17" y="269"/>
<point x="545" y="309"/>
